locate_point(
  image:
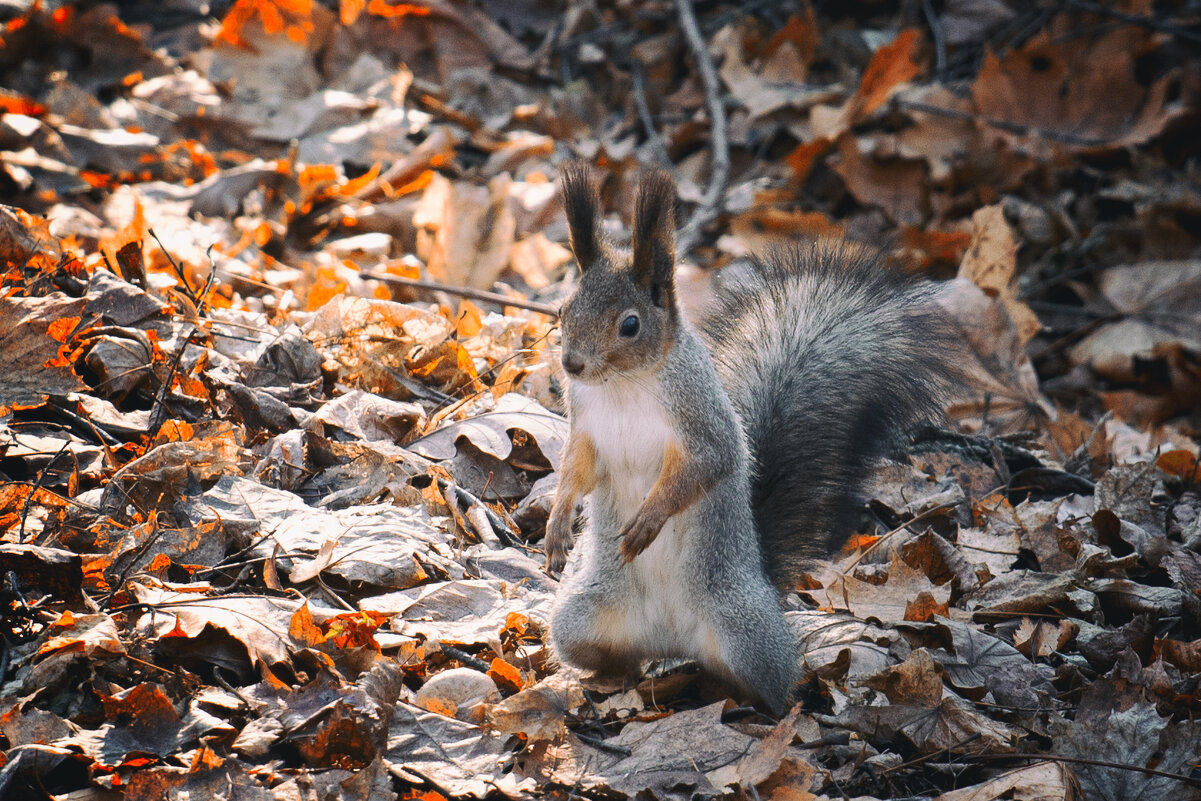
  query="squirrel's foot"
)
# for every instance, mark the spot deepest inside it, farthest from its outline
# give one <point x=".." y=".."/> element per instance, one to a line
<point x="558" y="542"/>
<point x="639" y="533"/>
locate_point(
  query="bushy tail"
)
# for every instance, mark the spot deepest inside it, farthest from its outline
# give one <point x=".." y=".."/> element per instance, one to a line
<point x="829" y="358"/>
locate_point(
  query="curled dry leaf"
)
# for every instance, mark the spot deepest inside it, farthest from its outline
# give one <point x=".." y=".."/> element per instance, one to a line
<point x="490" y="431"/>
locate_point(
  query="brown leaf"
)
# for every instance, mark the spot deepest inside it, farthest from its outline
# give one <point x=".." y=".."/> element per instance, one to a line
<point x="56" y="572"/>
<point x="457" y="757"/>
<point x="1042" y="780"/>
<point x="887" y="602"/>
<point x="1084" y="88"/>
<point x="539" y="712"/>
<point x="767" y="757"/>
<point x="30" y="366"/>
<point x="468" y="231"/>
<point x="917" y="681"/>
<point x="997" y="379"/>
<point x="952" y="724"/>
<point x="897" y="186"/>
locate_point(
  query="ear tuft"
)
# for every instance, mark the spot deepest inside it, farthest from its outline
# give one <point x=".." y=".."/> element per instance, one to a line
<point x="581" y="200"/>
<point x="654" y="236"/>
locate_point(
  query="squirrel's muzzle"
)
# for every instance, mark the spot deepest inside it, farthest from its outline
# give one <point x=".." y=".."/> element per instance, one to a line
<point x="573" y="364"/>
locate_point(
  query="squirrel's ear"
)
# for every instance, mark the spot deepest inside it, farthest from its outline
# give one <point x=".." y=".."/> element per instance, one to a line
<point x="582" y="203"/>
<point x="654" y="236"/>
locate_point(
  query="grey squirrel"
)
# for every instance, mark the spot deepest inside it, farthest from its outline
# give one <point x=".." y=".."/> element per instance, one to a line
<point x="718" y="459"/>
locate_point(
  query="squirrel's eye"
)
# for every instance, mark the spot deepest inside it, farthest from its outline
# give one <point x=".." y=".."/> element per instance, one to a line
<point x="629" y="327"/>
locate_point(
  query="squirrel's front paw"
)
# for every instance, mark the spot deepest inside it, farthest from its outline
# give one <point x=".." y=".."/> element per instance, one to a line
<point x="639" y="533"/>
<point x="558" y="542"/>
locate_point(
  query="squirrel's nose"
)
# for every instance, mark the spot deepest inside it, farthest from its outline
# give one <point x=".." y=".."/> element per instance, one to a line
<point x="573" y="364"/>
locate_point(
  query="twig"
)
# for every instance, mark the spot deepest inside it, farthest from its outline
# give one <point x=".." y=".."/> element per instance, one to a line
<point x="928" y="513"/>
<point x="463" y="291"/>
<point x="644" y="114"/>
<point x="495" y="522"/>
<point x="81" y="424"/>
<point x="37" y="486"/>
<point x="940" y="41"/>
<point x="744" y="9"/>
<point x="933" y="755"/>
<point x="452" y="398"/>
<point x="159" y="415"/>
<point x="1100" y="763"/>
<point x="1005" y="125"/>
<point x="333" y="596"/>
<point x="719" y="165"/>
<point x="600" y="744"/>
<point x="1154" y="24"/>
<point x="175" y="266"/>
<point x="467" y="659"/>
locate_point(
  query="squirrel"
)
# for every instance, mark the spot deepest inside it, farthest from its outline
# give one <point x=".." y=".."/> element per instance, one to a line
<point x="718" y="459"/>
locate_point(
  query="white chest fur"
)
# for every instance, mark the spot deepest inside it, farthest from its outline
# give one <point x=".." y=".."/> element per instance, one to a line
<point x="630" y="430"/>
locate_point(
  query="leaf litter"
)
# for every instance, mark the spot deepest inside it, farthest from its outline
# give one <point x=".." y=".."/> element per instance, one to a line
<point x="280" y="407"/>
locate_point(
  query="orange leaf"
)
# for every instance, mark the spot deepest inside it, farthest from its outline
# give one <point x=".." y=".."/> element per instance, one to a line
<point x="383" y="9"/>
<point x="923" y="608"/>
<point x="62" y="328"/>
<point x="858" y="541"/>
<point x="13" y="103"/>
<point x="327" y="288"/>
<point x="159" y="563"/>
<point x="936" y="246"/>
<point x="356" y="185"/>
<point x="93" y="573"/>
<point x="354" y="629"/>
<point x="891" y="65"/>
<point x="302" y="628"/>
<point x="505" y="675"/>
<point x="468" y="322"/>
<point x="803" y="157"/>
<point x="177" y="630"/>
<point x="349" y="11"/>
<point x="318" y="173"/>
<point x="517" y="622"/>
<point x="1180" y="463"/>
<point x="420" y="182"/>
<point x="802" y="33"/>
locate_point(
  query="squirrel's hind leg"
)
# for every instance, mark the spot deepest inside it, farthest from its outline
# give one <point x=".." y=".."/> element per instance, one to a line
<point x="756" y="652"/>
<point x="593" y="635"/>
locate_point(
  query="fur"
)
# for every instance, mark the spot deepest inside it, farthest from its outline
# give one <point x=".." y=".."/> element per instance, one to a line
<point x="829" y="359"/>
<point x="697" y="591"/>
<point x="713" y="468"/>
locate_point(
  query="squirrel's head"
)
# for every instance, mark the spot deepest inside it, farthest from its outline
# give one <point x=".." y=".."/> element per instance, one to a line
<point x="623" y="317"/>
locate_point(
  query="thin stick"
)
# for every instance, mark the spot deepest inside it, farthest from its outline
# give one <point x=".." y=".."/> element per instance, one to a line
<point x="159" y="415"/>
<point x="933" y="755"/>
<point x="940" y="41"/>
<point x="473" y="662"/>
<point x="596" y="742"/>
<point x="463" y="291"/>
<point x="1136" y="19"/>
<point x="495" y="522"/>
<point x="888" y="535"/>
<point x="37" y="486"/>
<point x="1100" y="763"/>
<point x="187" y="288"/>
<point x="719" y="167"/>
<point x="644" y="114"/>
<point x="1005" y="125"/>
